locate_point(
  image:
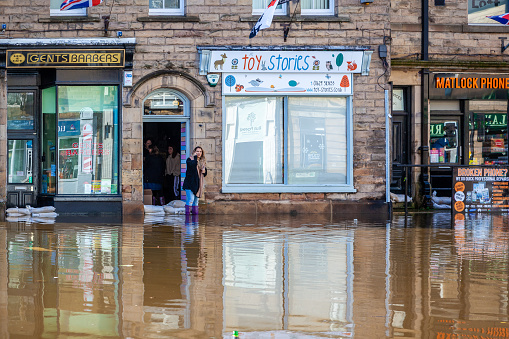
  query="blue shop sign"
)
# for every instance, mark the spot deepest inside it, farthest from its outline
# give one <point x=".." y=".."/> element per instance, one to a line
<point x="68" y="128"/>
<point x="20" y="124"/>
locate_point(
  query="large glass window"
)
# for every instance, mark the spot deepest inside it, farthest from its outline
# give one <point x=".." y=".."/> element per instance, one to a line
<point x="316" y="141"/>
<point x="488" y="139"/>
<point x="19" y="162"/>
<point x="87" y="140"/>
<point x="286" y="141"/>
<point x="480" y="10"/>
<point x="48" y="141"/>
<point x="55" y="10"/>
<point x="166" y="7"/>
<point x="20" y="110"/>
<point x="444" y="141"/>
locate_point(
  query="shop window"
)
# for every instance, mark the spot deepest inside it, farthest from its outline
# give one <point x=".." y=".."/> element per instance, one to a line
<point x="444" y="142"/>
<point x="289" y="143"/>
<point x="166" y="7"/>
<point x="20" y="111"/>
<point x="260" y="5"/>
<point x="488" y="139"/>
<point x="87" y="140"/>
<point x="55" y="10"/>
<point x="165" y="102"/>
<point x="317" y="7"/>
<point x="19" y="162"/>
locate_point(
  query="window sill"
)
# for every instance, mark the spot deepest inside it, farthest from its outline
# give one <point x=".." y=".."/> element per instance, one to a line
<point x="169" y="18"/>
<point x="58" y="19"/>
<point x="286" y="189"/>
<point x="302" y="18"/>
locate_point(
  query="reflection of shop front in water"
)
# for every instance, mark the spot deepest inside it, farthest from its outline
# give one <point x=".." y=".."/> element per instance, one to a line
<point x="468" y="123"/>
<point x="63" y="123"/>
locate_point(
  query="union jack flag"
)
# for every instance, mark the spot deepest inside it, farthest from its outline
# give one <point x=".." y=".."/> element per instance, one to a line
<point x="75" y="4"/>
<point x="503" y="19"/>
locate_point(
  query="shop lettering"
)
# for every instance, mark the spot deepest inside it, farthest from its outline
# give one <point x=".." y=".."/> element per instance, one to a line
<point x="479" y="172"/>
<point x="492" y="83"/>
<point x="75" y="58"/>
<point x="278" y="63"/>
<point x="251" y="129"/>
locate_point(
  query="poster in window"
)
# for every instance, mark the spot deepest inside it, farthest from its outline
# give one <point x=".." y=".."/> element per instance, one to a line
<point x="313" y="151"/>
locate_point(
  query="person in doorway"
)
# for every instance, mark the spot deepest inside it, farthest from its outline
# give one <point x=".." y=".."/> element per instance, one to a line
<point x="193" y="183"/>
<point x="173" y="174"/>
<point x="146" y="146"/>
<point x="153" y="175"/>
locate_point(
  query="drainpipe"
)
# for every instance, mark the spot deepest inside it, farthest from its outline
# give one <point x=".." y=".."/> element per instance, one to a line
<point x="425" y="29"/>
<point x="387" y="150"/>
<point x="424" y="108"/>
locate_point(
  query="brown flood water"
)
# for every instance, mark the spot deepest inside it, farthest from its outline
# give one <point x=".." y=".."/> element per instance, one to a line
<point x="265" y="277"/>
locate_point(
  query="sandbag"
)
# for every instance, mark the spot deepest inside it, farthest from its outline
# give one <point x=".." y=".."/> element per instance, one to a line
<point x="151" y="209"/>
<point x="169" y="210"/>
<point x="23" y="211"/>
<point x="177" y="204"/>
<point x="16" y="215"/>
<point x="45" y="215"/>
<point x="45" y="209"/>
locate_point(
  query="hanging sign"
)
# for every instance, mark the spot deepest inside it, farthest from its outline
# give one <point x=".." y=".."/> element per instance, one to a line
<point x="286" y="61"/>
<point x="291" y="84"/>
<point x="479" y="190"/>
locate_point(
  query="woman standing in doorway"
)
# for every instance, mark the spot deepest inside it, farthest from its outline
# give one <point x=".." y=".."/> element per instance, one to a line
<point x="193" y="183"/>
<point x="173" y="174"/>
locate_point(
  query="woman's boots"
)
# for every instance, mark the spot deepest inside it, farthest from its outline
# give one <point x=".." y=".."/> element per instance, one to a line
<point x="191" y="209"/>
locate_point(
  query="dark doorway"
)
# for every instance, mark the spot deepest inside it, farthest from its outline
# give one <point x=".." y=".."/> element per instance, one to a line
<point x="400" y="139"/>
<point x="163" y="135"/>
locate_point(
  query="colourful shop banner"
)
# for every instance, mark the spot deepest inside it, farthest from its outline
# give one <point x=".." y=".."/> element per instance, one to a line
<point x="76" y="58"/>
<point x="292" y="84"/>
<point x="479" y="190"/>
<point x="286" y="61"/>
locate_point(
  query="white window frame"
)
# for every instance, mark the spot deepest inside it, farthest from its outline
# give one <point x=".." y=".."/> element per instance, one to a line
<point x="279" y="11"/>
<point x="285" y="187"/>
<point x="168" y="11"/>
<point x="328" y="11"/>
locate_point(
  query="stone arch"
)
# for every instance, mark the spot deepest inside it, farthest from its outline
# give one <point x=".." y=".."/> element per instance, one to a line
<point x="180" y="81"/>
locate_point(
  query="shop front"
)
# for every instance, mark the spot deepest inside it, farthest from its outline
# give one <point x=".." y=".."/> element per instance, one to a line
<point x="287" y="118"/>
<point x="468" y="123"/>
<point x="63" y="123"/>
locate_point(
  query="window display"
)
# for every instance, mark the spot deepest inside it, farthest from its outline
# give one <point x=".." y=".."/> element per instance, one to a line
<point x="488" y="139"/>
<point x="87" y="140"/>
<point x="444" y="139"/>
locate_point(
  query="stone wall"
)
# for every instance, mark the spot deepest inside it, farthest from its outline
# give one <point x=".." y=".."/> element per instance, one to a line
<point x="166" y="56"/>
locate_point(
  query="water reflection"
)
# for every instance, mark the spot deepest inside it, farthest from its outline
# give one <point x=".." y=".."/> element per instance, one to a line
<point x="268" y="277"/>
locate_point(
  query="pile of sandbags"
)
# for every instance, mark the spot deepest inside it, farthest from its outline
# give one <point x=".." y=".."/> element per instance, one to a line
<point x="29" y="214"/>
<point x="174" y="207"/>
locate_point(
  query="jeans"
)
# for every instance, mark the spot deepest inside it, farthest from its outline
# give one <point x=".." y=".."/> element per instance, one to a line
<point x="191" y="199"/>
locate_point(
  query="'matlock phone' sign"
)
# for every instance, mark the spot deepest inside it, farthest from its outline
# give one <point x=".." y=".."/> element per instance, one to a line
<point x="479" y="190"/>
<point x="75" y="58"/>
<point x="468" y="86"/>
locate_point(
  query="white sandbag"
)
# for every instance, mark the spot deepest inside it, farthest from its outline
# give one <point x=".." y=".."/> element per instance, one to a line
<point x="44" y="220"/>
<point x="24" y="218"/>
<point x="440" y="200"/>
<point x="180" y="210"/>
<point x="400" y="198"/>
<point x="45" y="215"/>
<point x="45" y="209"/>
<point x="169" y="210"/>
<point x="16" y="215"/>
<point x="24" y="211"/>
<point x="177" y="203"/>
<point x="150" y="209"/>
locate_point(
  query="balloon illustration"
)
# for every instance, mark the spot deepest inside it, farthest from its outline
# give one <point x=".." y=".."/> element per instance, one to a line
<point x="230" y="81"/>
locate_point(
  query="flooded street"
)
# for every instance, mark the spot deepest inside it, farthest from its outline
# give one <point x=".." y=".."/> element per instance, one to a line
<point x="269" y="277"/>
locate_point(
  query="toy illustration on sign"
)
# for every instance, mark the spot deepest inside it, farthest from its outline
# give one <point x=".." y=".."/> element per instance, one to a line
<point x="229" y="81"/>
<point x="352" y="66"/>
<point x="235" y="63"/>
<point x="220" y="62"/>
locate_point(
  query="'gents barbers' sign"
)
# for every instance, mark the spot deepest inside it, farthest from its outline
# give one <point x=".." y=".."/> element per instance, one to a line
<point x="468" y="86"/>
<point x="82" y="58"/>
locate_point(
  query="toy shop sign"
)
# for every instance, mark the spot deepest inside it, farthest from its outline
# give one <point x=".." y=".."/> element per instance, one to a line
<point x="286" y="61"/>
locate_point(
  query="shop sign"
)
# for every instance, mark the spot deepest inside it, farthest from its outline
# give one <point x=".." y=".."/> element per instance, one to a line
<point x="291" y="84"/>
<point x="75" y="58"/>
<point x="68" y="128"/>
<point x="286" y="61"/>
<point x="479" y="190"/>
<point x="468" y="86"/>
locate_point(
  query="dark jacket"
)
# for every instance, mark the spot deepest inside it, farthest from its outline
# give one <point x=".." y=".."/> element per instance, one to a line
<point x="192" y="180"/>
<point x="153" y="169"/>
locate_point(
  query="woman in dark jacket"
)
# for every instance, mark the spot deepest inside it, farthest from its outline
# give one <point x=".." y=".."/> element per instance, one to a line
<point x="153" y="174"/>
<point x="193" y="183"/>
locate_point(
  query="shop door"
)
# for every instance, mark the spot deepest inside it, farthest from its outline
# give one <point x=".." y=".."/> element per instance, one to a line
<point x="22" y="178"/>
<point x="445" y="149"/>
<point x="399" y="152"/>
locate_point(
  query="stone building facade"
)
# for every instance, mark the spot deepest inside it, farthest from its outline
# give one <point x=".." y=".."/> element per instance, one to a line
<point x="445" y="58"/>
<point x="161" y="82"/>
